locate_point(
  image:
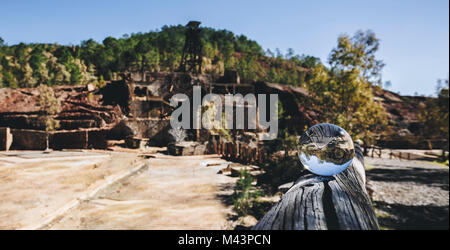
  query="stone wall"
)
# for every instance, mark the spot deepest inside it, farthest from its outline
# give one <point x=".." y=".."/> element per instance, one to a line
<point x="24" y="139"/>
<point x="97" y="138"/>
<point x="69" y="139"/>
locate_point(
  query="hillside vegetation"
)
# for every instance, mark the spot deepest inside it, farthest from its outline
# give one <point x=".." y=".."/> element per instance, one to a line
<point x="28" y="65"/>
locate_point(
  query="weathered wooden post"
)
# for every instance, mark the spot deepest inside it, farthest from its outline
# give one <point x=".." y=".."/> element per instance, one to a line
<point x="319" y="202"/>
<point x="6" y="138"/>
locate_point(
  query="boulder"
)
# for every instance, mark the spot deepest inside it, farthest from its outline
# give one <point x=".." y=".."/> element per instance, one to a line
<point x="137" y="143"/>
<point x="186" y="148"/>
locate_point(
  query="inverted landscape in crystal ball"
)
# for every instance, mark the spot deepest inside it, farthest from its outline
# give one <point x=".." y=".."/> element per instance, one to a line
<point x="326" y="149"/>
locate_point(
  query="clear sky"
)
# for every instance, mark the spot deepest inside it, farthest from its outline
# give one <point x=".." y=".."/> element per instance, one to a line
<point x="414" y="34"/>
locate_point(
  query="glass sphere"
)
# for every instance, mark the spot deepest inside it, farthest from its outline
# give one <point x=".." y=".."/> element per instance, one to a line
<point x="326" y="149"/>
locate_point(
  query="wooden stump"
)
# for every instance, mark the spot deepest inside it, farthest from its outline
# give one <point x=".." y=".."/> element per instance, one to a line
<point x="317" y="202"/>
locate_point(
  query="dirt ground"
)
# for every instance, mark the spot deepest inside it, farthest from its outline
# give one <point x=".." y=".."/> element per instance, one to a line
<point x="108" y="190"/>
<point x="409" y="194"/>
<point x="36" y="187"/>
<point x="172" y="193"/>
<point x="95" y="190"/>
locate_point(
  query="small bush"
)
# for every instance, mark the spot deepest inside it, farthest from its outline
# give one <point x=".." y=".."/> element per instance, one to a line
<point x="51" y="107"/>
<point x="243" y="195"/>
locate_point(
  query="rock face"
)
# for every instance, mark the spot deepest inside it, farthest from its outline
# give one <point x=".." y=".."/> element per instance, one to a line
<point x="403" y="120"/>
<point x="80" y="108"/>
<point x="296" y="102"/>
<point x="139" y="107"/>
<point x="403" y="111"/>
<point x="85" y="120"/>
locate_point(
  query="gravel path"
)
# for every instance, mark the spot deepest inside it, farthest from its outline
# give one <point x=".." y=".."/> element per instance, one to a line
<point x="409" y="194"/>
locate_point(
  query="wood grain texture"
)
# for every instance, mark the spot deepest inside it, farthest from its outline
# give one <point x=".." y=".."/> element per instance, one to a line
<point x="320" y="203"/>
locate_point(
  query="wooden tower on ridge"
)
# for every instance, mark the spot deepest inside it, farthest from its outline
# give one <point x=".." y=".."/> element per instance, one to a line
<point x="191" y="59"/>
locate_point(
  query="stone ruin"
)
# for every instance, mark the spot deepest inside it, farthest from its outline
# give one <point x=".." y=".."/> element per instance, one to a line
<point x="135" y="109"/>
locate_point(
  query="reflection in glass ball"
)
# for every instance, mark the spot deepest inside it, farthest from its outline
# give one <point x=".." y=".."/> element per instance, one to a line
<point x="326" y="149"/>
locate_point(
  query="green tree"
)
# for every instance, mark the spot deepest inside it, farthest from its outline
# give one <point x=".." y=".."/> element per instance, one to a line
<point x="357" y="53"/>
<point x="50" y="105"/>
<point x="28" y="65"/>
<point x="349" y="84"/>
<point x="38" y="62"/>
<point x="434" y="116"/>
<point x="147" y="56"/>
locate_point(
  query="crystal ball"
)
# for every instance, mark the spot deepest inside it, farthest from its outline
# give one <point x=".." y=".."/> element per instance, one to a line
<point x="326" y="149"/>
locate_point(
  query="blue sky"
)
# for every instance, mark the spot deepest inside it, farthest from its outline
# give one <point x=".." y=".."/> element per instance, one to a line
<point x="414" y="34"/>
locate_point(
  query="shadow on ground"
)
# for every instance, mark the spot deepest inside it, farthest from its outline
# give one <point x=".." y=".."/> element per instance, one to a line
<point x="257" y="209"/>
<point x="434" y="177"/>
<point x="225" y="194"/>
<point x="402" y="217"/>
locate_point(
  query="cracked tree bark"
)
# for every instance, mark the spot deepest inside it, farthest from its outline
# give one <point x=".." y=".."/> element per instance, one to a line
<point x="319" y="203"/>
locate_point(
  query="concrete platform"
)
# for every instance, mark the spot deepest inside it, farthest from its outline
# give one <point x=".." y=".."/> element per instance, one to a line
<point x="37" y="188"/>
<point x="175" y="192"/>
